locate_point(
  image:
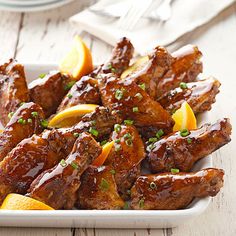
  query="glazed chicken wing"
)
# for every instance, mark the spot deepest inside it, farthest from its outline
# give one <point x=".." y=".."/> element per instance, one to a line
<point x="85" y="91"/>
<point x="98" y="190"/>
<point x="200" y="96"/>
<point x="58" y="186"/>
<point x="130" y="101"/>
<point x="126" y="156"/>
<point x="25" y="122"/>
<point x="158" y="63"/>
<point x="49" y="90"/>
<point x="36" y="154"/>
<point x="176" y="151"/>
<point x="175" y="191"/>
<point x="13" y="89"/>
<point x="185" y="68"/>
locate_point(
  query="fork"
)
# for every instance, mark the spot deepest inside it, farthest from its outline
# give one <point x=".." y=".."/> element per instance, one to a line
<point x="131" y="17"/>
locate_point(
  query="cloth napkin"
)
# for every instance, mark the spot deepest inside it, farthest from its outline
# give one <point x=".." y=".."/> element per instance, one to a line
<point x="186" y="16"/>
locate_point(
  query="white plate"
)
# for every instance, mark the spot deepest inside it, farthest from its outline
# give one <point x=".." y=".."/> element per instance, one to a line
<point x="26" y="2"/>
<point x="34" y="7"/>
<point x="102" y="218"/>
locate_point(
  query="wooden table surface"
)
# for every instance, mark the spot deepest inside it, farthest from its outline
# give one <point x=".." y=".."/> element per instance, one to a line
<point x="46" y="36"/>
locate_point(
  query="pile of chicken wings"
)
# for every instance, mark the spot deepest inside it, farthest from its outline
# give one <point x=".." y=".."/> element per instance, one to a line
<point x="55" y="165"/>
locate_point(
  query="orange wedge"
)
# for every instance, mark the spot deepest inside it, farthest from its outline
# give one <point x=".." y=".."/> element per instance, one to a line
<point x="71" y="115"/>
<point x="184" y="118"/>
<point x="19" y="202"/>
<point x="1" y="130"/>
<point x="134" y="67"/>
<point x="103" y="156"/>
<point x="78" y="62"/>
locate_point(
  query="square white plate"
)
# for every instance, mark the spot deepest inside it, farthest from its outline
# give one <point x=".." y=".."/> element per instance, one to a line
<point x="102" y="218"/>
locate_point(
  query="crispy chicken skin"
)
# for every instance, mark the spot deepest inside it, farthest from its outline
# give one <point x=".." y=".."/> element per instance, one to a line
<point x="186" y="66"/>
<point x="120" y="58"/>
<point x="49" y="91"/>
<point x="85" y="91"/>
<point x="58" y="186"/>
<point x="36" y="154"/>
<point x="13" y="89"/>
<point x="175" y="151"/>
<point x="127" y="99"/>
<point x="168" y="191"/>
<point x="126" y="156"/>
<point x="98" y="190"/>
<point x="200" y="96"/>
<point x="14" y="132"/>
<point x="159" y="62"/>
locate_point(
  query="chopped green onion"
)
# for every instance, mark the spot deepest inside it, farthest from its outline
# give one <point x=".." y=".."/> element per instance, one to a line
<point x="152" y="140"/>
<point x="174" y="171"/>
<point x="44" y="123"/>
<point x="117" y="128"/>
<point x="103" y="142"/>
<point x="126" y="206"/>
<point x="93" y="131"/>
<point x="153" y="185"/>
<point x="93" y="122"/>
<point x="119" y="94"/>
<point x="139" y="96"/>
<point x="41" y="76"/>
<point x="69" y="85"/>
<point x="135" y="109"/>
<point x="159" y="133"/>
<point x="76" y="135"/>
<point x="69" y="96"/>
<point x="151" y="146"/>
<point x="117" y="147"/>
<point x="183" y="85"/>
<point x="104" y="185"/>
<point x="128" y="122"/>
<point x="10" y="115"/>
<point x="128" y="192"/>
<point x="129" y="142"/>
<point x="142" y="86"/>
<point x="117" y="141"/>
<point x="74" y="165"/>
<point x="34" y="114"/>
<point x="113" y="172"/>
<point x="29" y="120"/>
<point x="63" y="163"/>
<point x="141" y="203"/>
<point x="184" y="132"/>
<point x="21" y="121"/>
<point x="113" y="70"/>
<point x="127" y="136"/>
<point x="189" y="140"/>
<point x="22" y="103"/>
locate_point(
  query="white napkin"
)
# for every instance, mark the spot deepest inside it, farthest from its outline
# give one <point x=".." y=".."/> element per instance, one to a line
<point x="186" y="16"/>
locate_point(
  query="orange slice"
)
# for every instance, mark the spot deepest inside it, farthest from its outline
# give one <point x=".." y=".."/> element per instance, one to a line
<point x="19" y="202"/>
<point x="78" y="62"/>
<point x="1" y="130"/>
<point x="103" y="156"/>
<point x="137" y="65"/>
<point x="71" y="115"/>
<point x="184" y="118"/>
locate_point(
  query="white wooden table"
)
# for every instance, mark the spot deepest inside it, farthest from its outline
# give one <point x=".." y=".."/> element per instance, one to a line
<point x="46" y="37"/>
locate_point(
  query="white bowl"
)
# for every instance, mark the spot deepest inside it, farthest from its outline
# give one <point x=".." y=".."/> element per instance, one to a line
<point x="102" y="218"/>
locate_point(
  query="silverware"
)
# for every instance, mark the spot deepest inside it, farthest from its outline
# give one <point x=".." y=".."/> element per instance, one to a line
<point x="136" y="10"/>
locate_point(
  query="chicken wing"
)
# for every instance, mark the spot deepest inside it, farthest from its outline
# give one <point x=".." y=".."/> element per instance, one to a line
<point x="58" y="186"/>
<point x="185" y="68"/>
<point x="85" y="91"/>
<point x="120" y="58"/>
<point x="36" y="154"/>
<point x="176" y="151"/>
<point x="130" y="101"/>
<point x="98" y="190"/>
<point x="25" y="122"/>
<point x="13" y="89"/>
<point x="158" y="63"/>
<point x="175" y="191"/>
<point x="200" y="96"/>
<point x="126" y="156"/>
<point x="49" y="90"/>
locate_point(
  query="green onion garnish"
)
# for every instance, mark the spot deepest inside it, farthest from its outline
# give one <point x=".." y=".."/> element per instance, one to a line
<point x="113" y="172"/>
<point x="34" y="113"/>
<point x="127" y="136"/>
<point x="139" y="96"/>
<point x="69" y="85"/>
<point x="126" y="206"/>
<point x="104" y="185"/>
<point x="63" y="163"/>
<point x="117" y="141"/>
<point x="117" y="147"/>
<point x="129" y="142"/>
<point x="69" y="96"/>
<point x="153" y="185"/>
<point x="152" y="140"/>
<point x="189" y="140"/>
<point x="103" y="142"/>
<point x="128" y="122"/>
<point x="41" y="76"/>
<point x="135" y="109"/>
<point x="29" y="120"/>
<point x="183" y="85"/>
<point x="141" y="203"/>
<point x="174" y="171"/>
<point x="21" y="121"/>
<point x="44" y="123"/>
<point x="74" y="165"/>
<point x="119" y="94"/>
<point x="117" y="128"/>
<point x="159" y="133"/>
<point x="76" y="135"/>
<point x="184" y="132"/>
<point x="10" y="115"/>
<point x="93" y="131"/>
<point x="142" y="86"/>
